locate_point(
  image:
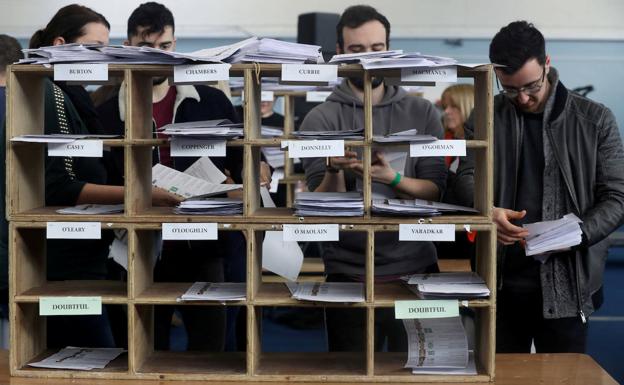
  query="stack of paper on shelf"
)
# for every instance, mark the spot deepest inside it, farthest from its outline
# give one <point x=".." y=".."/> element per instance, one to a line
<point x="210" y="206"/>
<point x="460" y="285"/>
<point x="406" y="136"/>
<point x="187" y="186"/>
<point x="58" y="138"/>
<point x="327" y="291"/>
<point x="437" y="344"/>
<point x="553" y="235"/>
<point x="277" y="51"/>
<point x="74" y="358"/>
<point x="356" y="57"/>
<point x="271" y="132"/>
<point x="415" y="207"/>
<point x="92" y="209"/>
<point x="333" y="204"/>
<point x="393" y="59"/>
<point x="207" y="129"/>
<point x="354" y="134"/>
<point x="210" y="291"/>
<point x="274" y="156"/>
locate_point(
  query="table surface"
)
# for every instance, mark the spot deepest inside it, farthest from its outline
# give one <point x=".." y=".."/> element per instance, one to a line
<point x="511" y="369"/>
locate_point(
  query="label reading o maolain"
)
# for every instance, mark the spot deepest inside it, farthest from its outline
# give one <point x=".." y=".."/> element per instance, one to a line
<point x="309" y="233"/>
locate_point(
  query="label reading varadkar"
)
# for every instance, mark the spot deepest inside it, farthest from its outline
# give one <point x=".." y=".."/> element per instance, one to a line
<point x="81" y="72"/>
<point x="74" y="230"/>
<point x="309" y="233"/>
<point x="201" y="73"/>
<point x="309" y="73"/>
<point x="197" y="147"/>
<point x="189" y="231"/>
<point x="417" y="232"/>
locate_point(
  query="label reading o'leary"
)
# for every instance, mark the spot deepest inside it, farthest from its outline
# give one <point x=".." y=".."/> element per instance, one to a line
<point x="74" y="230"/>
<point x="189" y="231"/>
<point x="198" y="73"/>
<point x="315" y="148"/>
<point x="81" y="72"/>
<point x="416" y="232"/>
<point x="426" y="309"/>
<point x="308" y="233"/>
<point x="70" y="306"/>
<point x="438" y="148"/>
<point x="197" y="147"/>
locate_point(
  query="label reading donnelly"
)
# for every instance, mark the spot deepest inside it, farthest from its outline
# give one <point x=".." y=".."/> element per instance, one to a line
<point x="70" y="306"/>
<point x="81" y="72"/>
<point x="315" y="148"/>
<point x="74" y="230"/>
<point x="305" y="233"/>
<point x="197" y="147"/>
<point x="189" y="231"/>
<point x="78" y="148"/>
<point x="416" y="232"/>
<point x="201" y="73"/>
<point x="429" y="74"/>
<point x="426" y="309"/>
<point x="309" y="73"/>
<point x="438" y="148"/>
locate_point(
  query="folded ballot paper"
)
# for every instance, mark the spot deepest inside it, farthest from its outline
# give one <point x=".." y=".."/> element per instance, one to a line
<point x="407" y="136"/>
<point x="553" y="235"/>
<point x="333" y="204"/>
<point x="210" y="206"/>
<point x="417" y="207"/>
<point x="92" y="209"/>
<point x="327" y="291"/>
<point x="187" y="186"/>
<point x="220" y="291"/>
<point x="74" y="358"/>
<point x="208" y="129"/>
<point x="459" y="285"/>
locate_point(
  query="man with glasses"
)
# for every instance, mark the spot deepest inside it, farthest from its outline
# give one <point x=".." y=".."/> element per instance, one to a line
<point x="555" y="153"/>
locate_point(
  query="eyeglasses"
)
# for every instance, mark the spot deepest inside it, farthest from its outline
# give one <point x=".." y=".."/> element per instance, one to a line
<point x="531" y="89"/>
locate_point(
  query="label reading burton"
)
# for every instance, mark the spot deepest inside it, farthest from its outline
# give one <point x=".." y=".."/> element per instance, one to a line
<point x="429" y="74"/>
<point x="417" y="232"/>
<point x="189" y="231"/>
<point x="439" y="148"/>
<point x="81" y="72"/>
<point x="315" y="148"/>
<point x="426" y="309"/>
<point x="70" y="306"/>
<point x="78" y="148"/>
<point x="201" y="73"/>
<point x="305" y="233"/>
<point x="317" y="96"/>
<point x="74" y="230"/>
<point x="309" y="73"/>
<point x="197" y="147"/>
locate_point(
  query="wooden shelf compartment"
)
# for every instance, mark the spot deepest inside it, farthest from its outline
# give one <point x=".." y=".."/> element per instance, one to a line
<point x="166" y="293"/>
<point x="112" y="292"/>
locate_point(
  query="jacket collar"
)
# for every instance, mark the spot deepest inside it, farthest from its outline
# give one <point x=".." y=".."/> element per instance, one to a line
<point x="182" y="92"/>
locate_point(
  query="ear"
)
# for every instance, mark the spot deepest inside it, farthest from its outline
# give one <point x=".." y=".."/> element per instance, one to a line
<point x="547" y="64"/>
<point x="58" y="41"/>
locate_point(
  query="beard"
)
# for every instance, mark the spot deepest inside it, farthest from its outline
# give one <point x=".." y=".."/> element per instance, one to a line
<point x="358" y="82"/>
<point x="156" y="81"/>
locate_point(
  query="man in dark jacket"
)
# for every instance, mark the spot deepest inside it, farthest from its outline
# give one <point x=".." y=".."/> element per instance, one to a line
<point x="555" y="153"/>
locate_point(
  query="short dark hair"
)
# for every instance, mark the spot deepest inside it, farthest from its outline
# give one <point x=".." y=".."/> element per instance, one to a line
<point x="10" y="51"/>
<point x="67" y="23"/>
<point x="357" y="15"/>
<point x="515" y="44"/>
<point x="154" y="17"/>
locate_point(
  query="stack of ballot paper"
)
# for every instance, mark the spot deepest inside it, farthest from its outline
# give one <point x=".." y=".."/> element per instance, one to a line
<point x="58" y="138"/>
<point x="277" y="51"/>
<point x="411" y="207"/>
<point x="393" y="59"/>
<point x="79" y="358"/>
<point x="187" y="186"/>
<point x="210" y="206"/>
<point x="332" y="204"/>
<point x="327" y="291"/>
<point x="218" y="129"/>
<point x="271" y="132"/>
<point x="354" y="134"/>
<point x="407" y="136"/>
<point x="553" y="235"/>
<point x="460" y="285"/>
<point x="437" y="345"/>
<point x="92" y="209"/>
<point x="209" y="291"/>
<point x="356" y="57"/>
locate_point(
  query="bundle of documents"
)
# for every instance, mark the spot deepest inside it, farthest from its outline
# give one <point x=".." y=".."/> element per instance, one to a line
<point x="327" y="291"/>
<point x="210" y="291"/>
<point x="460" y="285"/>
<point x="277" y="51"/>
<point x="271" y="132"/>
<point x="187" y="186"/>
<point x="79" y="358"/>
<point x="356" y="57"/>
<point x="553" y="235"/>
<point x="58" y="138"/>
<point x="393" y="59"/>
<point x="333" y="204"/>
<point x="210" y="206"/>
<point x="354" y="134"/>
<point x="411" y="207"/>
<point x="436" y="343"/>
<point x="274" y="156"/>
<point x="208" y="129"/>
<point x="406" y="136"/>
<point x="92" y="209"/>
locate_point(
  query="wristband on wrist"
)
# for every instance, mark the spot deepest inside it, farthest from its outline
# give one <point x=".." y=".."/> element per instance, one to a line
<point x="329" y="167"/>
<point x="396" y="180"/>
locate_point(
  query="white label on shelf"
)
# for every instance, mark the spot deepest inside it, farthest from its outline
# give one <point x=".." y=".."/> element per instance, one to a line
<point x="309" y="73"/>
<point x="201" y="73"/>
<point x="429" y="74"/>
<point x="267" y="96"/>
<point x="426" y="309"/>
<point x="70" y="306"/>
<point x="197" y="147"/>
<point x="189" y="231"/>
<point x="438" y="148"/>
<point x="79" y="148"/>
<point x="315" y="148"/>
<point x="317" y="96"/>
<point x="74" y="230"/>
<point x="416" y="232"/>
<point x="81" y="72"/>
<point x="306" y="233"/>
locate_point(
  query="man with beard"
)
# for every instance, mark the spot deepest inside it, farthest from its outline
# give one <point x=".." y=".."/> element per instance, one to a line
<point x="363" y="29"/>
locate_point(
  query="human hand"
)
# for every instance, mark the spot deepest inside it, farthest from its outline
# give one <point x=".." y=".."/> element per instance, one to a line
<point x="348" y="161"/>
<point x="265" y="174"/>
<point x="164" y="198"/>
<point x="506" y="232"/>
<point x="380" y="170"/>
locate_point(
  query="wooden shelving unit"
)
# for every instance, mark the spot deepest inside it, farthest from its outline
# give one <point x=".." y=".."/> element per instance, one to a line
<point x="28" y="215"/>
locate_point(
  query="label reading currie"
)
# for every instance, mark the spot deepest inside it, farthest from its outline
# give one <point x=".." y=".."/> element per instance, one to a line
<point x="200" y="73"/>
<point x="74" y="230"/>
<point x="78" y="148"/>
<point x="447" y="74"/>
<point x="49" y="306"/>
<point x="197" y="147"/>
<point x="415" y="232"/>
<point x="438" y="148"/>
<point x="314" y="73"/>
<point x="315" y="148"/>
<point x="307" y="233"/>
<point x="81" y="72"/>
<point x="189" y="231"/>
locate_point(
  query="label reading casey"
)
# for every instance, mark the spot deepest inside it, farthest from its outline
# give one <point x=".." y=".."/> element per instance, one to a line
<point x="201" y="73"/>
<point x="315" y="148"/>
<point x="81" y="72"/>
<point x="447" y="74"/>
<point x="306" y="233"/>
<point x="309" y="73"/>
<point x="74" y="230"/>
<point x="197" y="147"/>
<point x="189" y="231"/>
<point x="438" y="148"/>
<point x="70" y="306"/>
<point x="426" y="309"/>
<point x="416" y="232"/>
<point x="78" y="148"/>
